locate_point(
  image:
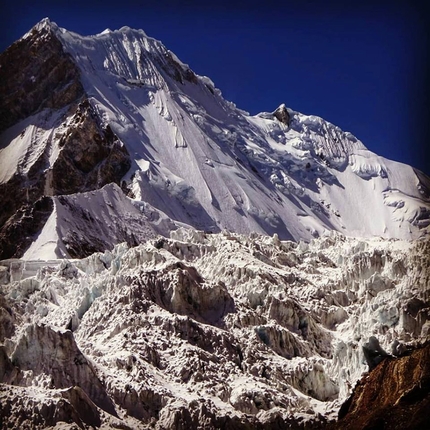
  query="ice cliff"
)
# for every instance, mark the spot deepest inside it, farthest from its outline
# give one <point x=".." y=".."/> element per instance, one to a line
<point x="224" y="329"/>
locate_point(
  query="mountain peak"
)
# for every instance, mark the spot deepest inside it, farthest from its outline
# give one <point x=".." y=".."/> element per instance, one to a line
<point x="44" y="24"/>
<point x="281" y="113"/>
<point x="44" y="27"/>
<point x="119" y="107"/>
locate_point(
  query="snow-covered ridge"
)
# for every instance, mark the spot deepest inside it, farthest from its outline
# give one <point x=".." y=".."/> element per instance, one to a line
<point x="197" y="160"/>
<point x="111" y="46"/>
<point x="252" y="328"/>
<point x="246" y="173"/>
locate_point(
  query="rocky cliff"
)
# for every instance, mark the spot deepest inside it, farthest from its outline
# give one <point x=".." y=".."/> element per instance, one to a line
<point x="65" y="149"/>
<point x="395" y="395"/>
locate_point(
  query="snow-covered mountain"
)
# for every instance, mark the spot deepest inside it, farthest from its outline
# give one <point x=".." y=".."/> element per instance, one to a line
<point x="79" y="113"/>
<point x="186" y="265"/>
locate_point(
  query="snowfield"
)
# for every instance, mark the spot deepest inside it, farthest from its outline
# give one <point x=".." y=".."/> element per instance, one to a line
<point x="206" y="328"/>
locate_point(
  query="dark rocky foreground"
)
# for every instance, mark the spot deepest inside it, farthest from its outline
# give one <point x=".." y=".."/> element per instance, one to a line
<point x="395" y="395"/>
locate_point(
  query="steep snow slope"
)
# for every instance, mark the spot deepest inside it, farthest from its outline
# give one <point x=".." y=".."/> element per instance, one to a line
<point x="228" y="169"/>
<point x="201" y="161"/>
<point x="213" y="331"/>
<point x="84" y="222"/>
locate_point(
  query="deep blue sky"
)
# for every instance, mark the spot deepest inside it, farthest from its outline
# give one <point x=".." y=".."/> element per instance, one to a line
<point x="363" y="66"/>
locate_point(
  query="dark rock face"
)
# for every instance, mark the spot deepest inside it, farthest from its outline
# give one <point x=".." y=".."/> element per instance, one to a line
<point x="23" y="211"/>
<point x="395" y="395"/>
<point x="38" y="78"/>
<point x="22" y="227"/>
<point x="373" y="353"/>
<point x="282" y="115"/>
<point x="176" y="71"/>
<point x="35" y="74"/>
<point x="91" y="156"/>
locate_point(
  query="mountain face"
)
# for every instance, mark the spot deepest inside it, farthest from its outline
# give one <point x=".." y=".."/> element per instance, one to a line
<point x="79" y="113"/>
<point x="168" y="261"/>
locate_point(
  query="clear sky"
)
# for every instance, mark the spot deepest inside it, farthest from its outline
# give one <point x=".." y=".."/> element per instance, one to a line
<point x="363" y="66"/>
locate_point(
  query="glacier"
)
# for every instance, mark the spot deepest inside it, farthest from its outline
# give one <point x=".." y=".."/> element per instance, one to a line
<point x="213" y="328"/>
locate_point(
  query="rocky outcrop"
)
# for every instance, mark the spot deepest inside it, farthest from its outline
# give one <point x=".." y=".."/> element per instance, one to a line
<point x="40" y="89"/>
<point x="91" y="156"/>
<point x="22" y="227"/>
<point x="373" y="353"/>
<point x="395" y="395"/>
<point x="282" y="115"/>
<point x="177" y="71"/>
<point x="35" y="73"/>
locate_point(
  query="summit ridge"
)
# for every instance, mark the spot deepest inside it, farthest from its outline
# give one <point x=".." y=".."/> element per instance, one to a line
<point x="178" y="147"/>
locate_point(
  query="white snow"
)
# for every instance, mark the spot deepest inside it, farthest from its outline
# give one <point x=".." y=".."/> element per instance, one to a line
<point x="47" y="245"/>
<point x="160" y="316"/>
<point x="240" y="322"/>
<point x="203" y="162"/>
